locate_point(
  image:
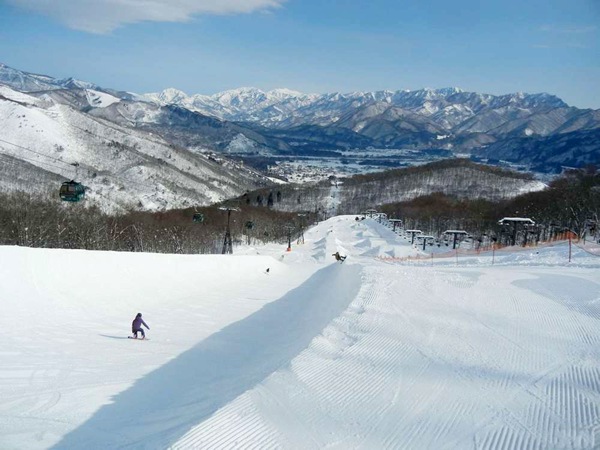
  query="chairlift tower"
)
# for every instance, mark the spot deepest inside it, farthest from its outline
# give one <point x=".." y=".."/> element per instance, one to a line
<point x="289" y="229"/>
<point x="456" y="234"/>
<point x="425" y="239"/>
<point x="302" y="225"/>
<point x="413" y="233"/>
<point x="515" y="221"/>
<point x="227" y="243"/>
<point x="395" y="223"/>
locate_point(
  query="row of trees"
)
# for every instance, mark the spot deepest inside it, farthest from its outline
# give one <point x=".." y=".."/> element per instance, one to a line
<point x="458" y="177"/>
<point x="35" y="221"/>
<point x="572" y="202"/>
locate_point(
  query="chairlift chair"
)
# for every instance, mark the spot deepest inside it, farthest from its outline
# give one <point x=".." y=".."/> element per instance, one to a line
<point x="72" y="191"/>
<point x="198" y="217"/>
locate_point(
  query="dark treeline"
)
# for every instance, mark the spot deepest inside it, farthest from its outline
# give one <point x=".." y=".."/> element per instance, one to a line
<point x="34" y="221"/>
<point x="572" y="202"/>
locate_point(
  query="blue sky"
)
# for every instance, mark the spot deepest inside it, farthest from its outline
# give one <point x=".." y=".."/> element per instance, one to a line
<point x="206" y="46"/>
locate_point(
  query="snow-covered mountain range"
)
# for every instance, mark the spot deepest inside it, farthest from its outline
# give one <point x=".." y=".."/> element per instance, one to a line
<point x="44" y="141"/>
<point x="161" y="142"/>
<point x="434" y="110"/>
<point x="30" y="82"/>
<point x="448" y="118"/>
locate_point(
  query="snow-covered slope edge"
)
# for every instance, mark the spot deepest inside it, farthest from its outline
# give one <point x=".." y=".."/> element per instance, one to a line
<point x="122" y="167"/>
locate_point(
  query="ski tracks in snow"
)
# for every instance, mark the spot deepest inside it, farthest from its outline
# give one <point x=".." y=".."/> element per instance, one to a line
<point x="555" y="402"/>
<point x="415" y="364"/>
<point x="361" y="355"/>
<point x="332" y="394"/>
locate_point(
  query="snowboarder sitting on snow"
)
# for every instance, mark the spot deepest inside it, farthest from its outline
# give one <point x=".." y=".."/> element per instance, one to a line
<point x="136" y="326"/>
<point x="338" y="257"/>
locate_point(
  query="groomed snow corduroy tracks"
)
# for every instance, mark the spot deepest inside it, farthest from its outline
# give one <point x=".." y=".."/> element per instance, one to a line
<point x="429" y="358"/>
<point x="316" y="354"/>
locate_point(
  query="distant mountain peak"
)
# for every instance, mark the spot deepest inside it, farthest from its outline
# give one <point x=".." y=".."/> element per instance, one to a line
<point x="72" y="83"/>
<point x="167" y="96"/>
<point x="284" y="92"/>
<point x="174" y="91"/>
<point x="451" y="90"/>
<point x="244" y="90"/>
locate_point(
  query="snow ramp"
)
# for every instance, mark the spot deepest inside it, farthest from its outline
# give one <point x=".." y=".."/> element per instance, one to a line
<point x="161" y="407"/>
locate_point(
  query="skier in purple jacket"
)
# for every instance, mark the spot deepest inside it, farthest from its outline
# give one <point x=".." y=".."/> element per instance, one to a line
<point x="136" y="326"/>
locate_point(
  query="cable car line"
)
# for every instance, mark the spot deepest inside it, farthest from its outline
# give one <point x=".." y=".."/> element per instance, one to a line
<point x="117" y="179"/>
<point x="15" y="165"/>
<point x="37" y="153"/>
<point x="34" y="161"/>
<point x="70" y="166"/>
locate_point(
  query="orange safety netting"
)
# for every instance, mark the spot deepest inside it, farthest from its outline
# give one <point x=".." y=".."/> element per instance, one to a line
<point x="559" y="238"/>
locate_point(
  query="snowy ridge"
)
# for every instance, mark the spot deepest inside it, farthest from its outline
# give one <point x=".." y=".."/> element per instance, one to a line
<point x="98" y="99"/>
<point x="228" y="104"/>
<point x="19" y="97"/>
<point x="24" y="81"/>
<point x="313" y="354"/>
<point x="446" y="121"/>
<point x="122" y="168"/>
<point x="447" y="106"/>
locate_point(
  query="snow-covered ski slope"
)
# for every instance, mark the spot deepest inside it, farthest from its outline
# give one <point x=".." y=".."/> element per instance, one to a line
<point x="312" y="354"/>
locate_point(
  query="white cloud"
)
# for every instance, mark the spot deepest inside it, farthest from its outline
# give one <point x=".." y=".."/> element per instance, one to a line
<point x="103" y="16"/>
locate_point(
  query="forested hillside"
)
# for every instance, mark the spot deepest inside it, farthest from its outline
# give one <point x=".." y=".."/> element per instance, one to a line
<point x="571" y="202"/>
<point x="460" y="178"/>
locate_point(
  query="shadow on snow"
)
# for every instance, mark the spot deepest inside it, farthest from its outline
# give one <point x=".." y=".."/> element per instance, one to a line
<point x="161" y="407"/>
<point x="113" y="337"/>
